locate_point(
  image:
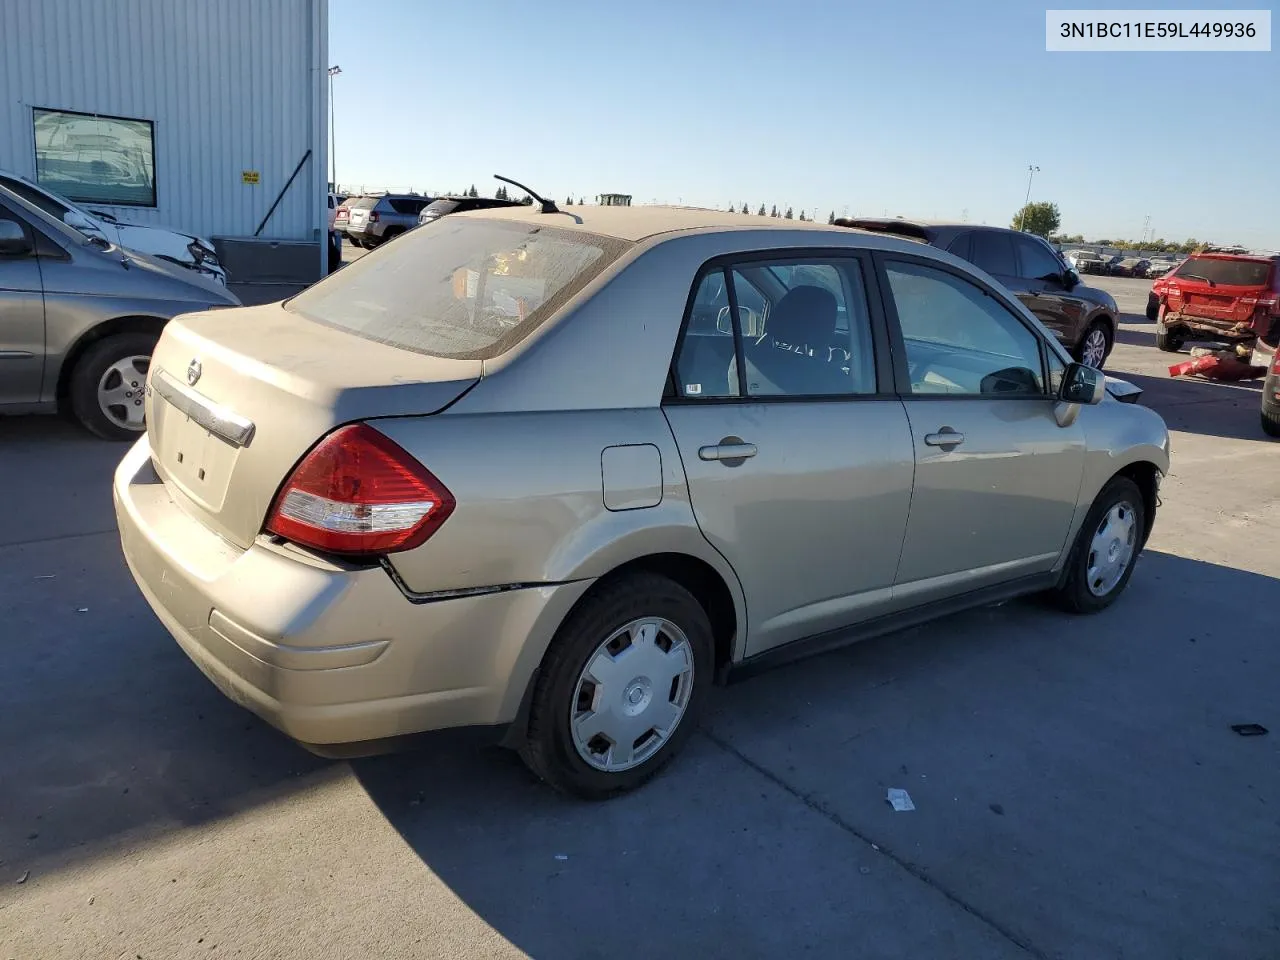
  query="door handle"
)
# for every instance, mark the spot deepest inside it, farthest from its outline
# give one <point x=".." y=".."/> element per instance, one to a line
<point x="735" y="450"/>
<point x="946" y="437"/>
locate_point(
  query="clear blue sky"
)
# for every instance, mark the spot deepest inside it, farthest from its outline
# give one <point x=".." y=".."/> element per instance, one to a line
<point x="920" y="109"/>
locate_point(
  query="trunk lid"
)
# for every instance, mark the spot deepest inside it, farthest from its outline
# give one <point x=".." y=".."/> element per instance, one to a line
<point x="236" y="397"/>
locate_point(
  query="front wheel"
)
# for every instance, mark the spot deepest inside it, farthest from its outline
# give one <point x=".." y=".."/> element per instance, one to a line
<point x="620" y="688"/>
<point x="1105" y="550"/>
<point x="1153" y="308"/>
<point x="107" y="383"/>
<point x="1168" y="342"/>
<point x="1094" y="346"/>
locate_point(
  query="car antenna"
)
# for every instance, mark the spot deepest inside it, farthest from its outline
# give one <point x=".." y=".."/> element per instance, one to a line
<point x="548" y="206"/>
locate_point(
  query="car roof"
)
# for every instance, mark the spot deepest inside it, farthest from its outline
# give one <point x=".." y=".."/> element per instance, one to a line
<point x="642" y="222"/>
<point x="1251" y="257"/>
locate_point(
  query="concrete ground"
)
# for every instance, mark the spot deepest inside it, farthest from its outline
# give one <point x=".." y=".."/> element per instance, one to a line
<point x="1079" y="791"/>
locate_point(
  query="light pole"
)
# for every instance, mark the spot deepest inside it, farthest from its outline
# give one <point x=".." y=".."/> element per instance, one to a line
<point x="333" y="160"/>
<point x="1032" y="170"/>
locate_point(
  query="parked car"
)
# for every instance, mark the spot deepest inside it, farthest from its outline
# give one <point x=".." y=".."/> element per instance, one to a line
<point x="1084" y="261"/>
<point x="529" y="474"/>
<point x="442" y="206"/>
<point x="1271" y="397"/>
<point x="1158" y="268"/>
<point x="185" y="249"/>
<point x="1130" y="267"/>
<point x="1220" y="297"/>
<point x="1084" y="318"/>
<point x="79" y="317"/>
<point x="377" y="219"/>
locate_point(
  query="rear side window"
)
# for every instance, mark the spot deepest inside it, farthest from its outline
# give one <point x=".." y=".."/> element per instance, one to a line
<point x="410" y="206"/>
<point x="1229" y="273"/>
<point x="993" y="252"/>
<point x="362" y="203"/>
<point x="459" y="288"/>
<point x="440" y="207"/>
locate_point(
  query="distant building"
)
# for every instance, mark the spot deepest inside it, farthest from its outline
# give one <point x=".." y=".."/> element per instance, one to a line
<point x="614" y="199"/>
<point x="209" y="118"/>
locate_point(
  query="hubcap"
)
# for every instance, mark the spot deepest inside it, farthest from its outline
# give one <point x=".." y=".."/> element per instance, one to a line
<point x="632" y="694"/>
<point x="1112" y="549"/>
<point x="1095" y="349"/>
<point x="120" y="392"/>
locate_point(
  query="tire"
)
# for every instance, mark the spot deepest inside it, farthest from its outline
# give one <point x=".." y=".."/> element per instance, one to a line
<point x="1270" y="413"/>
<point x="564" y="684"/>
<point x="1153" y="308"/>
<point x="1168" y="342"/>
<point x="1075" y="593"/>
<point x="1096" y="329"/>
<point x="88" y="376"/>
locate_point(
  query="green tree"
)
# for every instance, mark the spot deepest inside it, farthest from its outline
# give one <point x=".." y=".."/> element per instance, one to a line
<point x="788" y="215"/>
<point x="832" y="218"/>
<point x="473" y="192"/>
<point x="1040" y="218"/>
<point x="802" y="216"/>
<point x="774" y="211"/>
<point x="745" y="208"/>
<point x="760" y="212"/>
<point x="568" y="201"/>
<point x="500" y="193"/>
<point x="527" y="200"/>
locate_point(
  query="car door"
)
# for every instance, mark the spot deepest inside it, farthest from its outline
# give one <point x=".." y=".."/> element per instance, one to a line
<point x="797" y="453"/>
<point x="996" y="477"/>
<point x="1047" y="295"/>
<point x="22" y="331"/>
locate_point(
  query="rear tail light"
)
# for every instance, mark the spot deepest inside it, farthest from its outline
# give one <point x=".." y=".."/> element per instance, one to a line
<point x="373" y="217"/>
<point x="359" y="493"/>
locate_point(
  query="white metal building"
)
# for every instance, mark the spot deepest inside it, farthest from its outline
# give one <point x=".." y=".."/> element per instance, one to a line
<point x="192" y="114"/>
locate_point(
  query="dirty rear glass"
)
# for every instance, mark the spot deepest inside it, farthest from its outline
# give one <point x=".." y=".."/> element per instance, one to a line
<point x="362" y="203"/>
<point x="1229" y="273"/>
<point x="458" y="287"/>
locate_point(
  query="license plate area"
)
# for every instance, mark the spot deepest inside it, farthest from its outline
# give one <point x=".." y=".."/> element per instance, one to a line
<point x="197" y="461"/>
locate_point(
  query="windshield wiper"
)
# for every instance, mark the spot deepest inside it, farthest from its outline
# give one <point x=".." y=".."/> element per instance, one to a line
<point x="1196" y="276"/>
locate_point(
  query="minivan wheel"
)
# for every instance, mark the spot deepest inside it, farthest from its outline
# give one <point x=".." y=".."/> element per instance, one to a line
<point x="106" y="386"/>
<point x="620" y="687"/>
<point x="1094" y="346"/>
<point x="1105" y="550"/>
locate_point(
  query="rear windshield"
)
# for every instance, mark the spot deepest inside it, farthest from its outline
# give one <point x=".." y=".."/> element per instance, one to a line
<point x="1230" y="273"/>
<point x="362" y="203"/>
<point x="460" y="288"/>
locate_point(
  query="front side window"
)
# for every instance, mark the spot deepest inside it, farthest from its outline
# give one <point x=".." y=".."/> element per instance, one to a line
<point x="1038" y="262"/>
<point x="803" y="325"/>
<point x="958" y="339"/>
<point x="993" y="252"/>
<point x="464" y="289"/>
<point x="96" y="159"/>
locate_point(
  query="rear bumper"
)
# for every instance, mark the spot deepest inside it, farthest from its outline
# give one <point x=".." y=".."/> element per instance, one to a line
<point x="329" y="655"/>
<point x="1228" y="330"/>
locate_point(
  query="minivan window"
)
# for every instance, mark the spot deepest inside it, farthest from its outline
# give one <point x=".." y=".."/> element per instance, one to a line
<point x="993" y="252"/>
<point x="463" y="289"/>
<point x="1229" y="273"/>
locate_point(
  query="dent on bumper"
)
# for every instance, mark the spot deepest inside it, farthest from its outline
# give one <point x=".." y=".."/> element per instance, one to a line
<point x="327" y="654"/>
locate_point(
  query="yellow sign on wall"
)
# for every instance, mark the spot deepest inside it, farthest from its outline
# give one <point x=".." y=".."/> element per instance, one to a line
<point x="249" y="176"/>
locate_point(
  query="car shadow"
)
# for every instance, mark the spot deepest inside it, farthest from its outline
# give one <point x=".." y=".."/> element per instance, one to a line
<point x="108" y="729"/>
<point x="770" y="835"/>
<point x="1208" y="407"/>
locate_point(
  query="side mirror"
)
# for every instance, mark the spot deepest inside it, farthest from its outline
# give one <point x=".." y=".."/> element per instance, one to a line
<point x="13" y="239"/>
<point x="1083" y="384"/>
<point x="1070" y="279"/>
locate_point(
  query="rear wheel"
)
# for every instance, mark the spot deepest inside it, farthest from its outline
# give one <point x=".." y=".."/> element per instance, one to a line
<point x="107" y="383"/>
<point x="620" y="688"/>
<point x="1105" y="550"/>
<point x="1168" y="342"/>
<point x="1094" y="346"/>
<point x="1270" y="411"/>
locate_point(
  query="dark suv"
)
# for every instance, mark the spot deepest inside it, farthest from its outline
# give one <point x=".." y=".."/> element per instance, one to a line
<point x="1084" y="318"/>
<point x="443" y="206"/>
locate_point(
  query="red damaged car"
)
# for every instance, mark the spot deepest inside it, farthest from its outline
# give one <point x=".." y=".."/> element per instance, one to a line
<point x="1225" y="298"/>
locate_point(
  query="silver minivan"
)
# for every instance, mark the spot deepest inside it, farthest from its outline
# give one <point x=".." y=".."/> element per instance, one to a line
<point x="79" y="318"/>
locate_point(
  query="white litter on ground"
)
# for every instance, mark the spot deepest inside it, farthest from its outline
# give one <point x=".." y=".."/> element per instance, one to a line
<point x="900" y="800"/>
